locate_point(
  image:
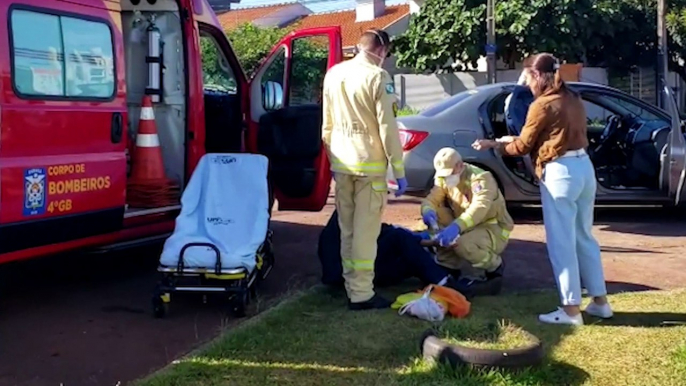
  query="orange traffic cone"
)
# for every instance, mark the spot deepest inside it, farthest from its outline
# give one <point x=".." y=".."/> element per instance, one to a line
<point x="147" y="154"/>
<point x="148" y="185"/>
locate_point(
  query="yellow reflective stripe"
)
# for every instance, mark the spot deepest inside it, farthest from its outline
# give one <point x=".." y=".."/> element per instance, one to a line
<point x="488" y="255"/>
<point x="361" y="167"/>
<point x="398" y="165"/>
<point x="426" y="208"/>
<point x="379" y="186"/>
<point x="233" y="276"/>
<point x="504" y="233"/>
<point x="359" y="265"/>
<point x="467" y="219"/>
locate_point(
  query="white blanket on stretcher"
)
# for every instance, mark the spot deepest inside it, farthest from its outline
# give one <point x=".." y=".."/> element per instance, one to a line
<point x="225" y="204"/>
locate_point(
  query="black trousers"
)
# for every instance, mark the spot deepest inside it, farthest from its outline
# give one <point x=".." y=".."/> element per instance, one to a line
<point x="399" y="256"/>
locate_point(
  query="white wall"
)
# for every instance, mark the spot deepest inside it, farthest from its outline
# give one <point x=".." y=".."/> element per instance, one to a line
<point x="282" y="17"/>
<point x="421" y="91"/>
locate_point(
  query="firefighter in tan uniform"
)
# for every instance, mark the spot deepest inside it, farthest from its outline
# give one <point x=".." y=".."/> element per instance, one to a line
<point x="361" y="135"/>
<point x="470" y="211"/>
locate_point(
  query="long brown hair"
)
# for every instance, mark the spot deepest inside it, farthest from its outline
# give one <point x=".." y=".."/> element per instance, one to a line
<point x="546" y="69"/>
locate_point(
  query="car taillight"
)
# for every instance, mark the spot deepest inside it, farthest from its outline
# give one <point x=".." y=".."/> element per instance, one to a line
<point x="411" y="138"/>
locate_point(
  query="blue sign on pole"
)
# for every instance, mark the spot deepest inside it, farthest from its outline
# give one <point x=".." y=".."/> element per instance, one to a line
<point x="490" y="48"/>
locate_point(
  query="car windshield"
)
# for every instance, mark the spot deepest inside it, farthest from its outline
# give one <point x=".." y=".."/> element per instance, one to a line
<point x="635" y="109"/>
<point x="447" y="103"/>
<point x="624" y="107"/>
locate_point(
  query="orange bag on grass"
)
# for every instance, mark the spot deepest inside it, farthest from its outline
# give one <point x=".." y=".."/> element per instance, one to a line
<point x="458" y="305"/>
<point x="453" y="302"/>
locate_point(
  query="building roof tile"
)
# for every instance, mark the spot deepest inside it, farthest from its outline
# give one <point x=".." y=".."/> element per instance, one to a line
<point x="350" y="30"/>
<point x="236" y="17"/>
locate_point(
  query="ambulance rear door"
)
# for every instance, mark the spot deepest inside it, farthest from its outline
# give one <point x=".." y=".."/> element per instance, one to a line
<point x="62" y="139"/>
<point x="286" y="116"/>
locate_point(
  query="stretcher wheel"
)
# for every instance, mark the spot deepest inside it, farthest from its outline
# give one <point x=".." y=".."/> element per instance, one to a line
<point x="268" y="265"/>
<point x="239" y="304"/>
<point x="159" y="307"/>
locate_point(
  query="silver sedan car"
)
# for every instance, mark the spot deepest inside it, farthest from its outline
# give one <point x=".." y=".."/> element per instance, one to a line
<point x="639" y="150"/>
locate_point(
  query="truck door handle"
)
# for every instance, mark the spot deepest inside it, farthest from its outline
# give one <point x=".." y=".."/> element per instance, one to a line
<point x="117" y="128"/>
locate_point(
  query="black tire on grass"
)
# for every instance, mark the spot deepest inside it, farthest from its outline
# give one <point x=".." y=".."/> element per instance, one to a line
<point x="455" y="355"/>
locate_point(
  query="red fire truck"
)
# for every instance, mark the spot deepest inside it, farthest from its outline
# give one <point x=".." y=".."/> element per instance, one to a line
<point x="74" y="74"/>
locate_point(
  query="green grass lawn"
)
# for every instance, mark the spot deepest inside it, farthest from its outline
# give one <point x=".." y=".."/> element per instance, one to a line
<point x="313" y="340"/>
<point x="407" y="111"/>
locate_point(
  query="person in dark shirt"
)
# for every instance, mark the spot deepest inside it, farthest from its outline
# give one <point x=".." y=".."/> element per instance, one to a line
<point x="517" y="104"/>
<point x="515" y="113"/>
<point x="400" y="256"/>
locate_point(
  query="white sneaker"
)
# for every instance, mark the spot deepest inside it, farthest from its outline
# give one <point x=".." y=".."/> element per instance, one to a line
<point x="559" y="316"/>
<point x="595" y="309"/>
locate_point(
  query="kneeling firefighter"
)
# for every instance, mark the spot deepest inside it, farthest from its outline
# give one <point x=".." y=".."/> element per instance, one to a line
<point x="400" y="256"/>
<point x="470" y="213"/>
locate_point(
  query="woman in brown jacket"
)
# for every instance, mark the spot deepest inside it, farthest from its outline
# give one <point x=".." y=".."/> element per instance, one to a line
<point x="555" y="137"/>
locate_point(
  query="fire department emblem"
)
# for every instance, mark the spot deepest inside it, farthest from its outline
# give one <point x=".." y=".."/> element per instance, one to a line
<point x="34" y="191"/>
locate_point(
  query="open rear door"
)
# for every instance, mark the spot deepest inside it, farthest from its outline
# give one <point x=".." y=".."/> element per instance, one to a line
<point x="676" y="151"/>
<point x="286" y="116"/>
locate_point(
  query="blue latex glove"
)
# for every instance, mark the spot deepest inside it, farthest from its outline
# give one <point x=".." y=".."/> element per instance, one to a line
<point x="430" y="218"/>
<point x="402" y="187"/>
<point x="448" y="235"/>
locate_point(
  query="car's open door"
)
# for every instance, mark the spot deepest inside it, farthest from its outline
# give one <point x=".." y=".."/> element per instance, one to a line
<point x="529" y="171"/>
<point x="286" y="116"/>
<point x="675" y="155"/>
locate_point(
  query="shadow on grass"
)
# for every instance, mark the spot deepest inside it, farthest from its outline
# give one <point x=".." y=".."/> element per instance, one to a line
<point x="552" y="373"/>
<point x="498" y="336"/>
<point x="641" y="319"/>
<point x="304" y="374"/>
<point x="316" y="341"/>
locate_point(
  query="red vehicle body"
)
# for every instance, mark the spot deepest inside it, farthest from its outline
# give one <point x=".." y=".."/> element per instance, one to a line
<point x="73" y="77"/>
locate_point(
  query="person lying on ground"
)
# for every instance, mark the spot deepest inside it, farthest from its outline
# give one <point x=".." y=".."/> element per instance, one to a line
<point x="470" y="216"/>
<point x="400" y="256"/>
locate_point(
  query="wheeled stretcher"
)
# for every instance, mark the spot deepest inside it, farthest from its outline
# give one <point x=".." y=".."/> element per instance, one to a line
<point x="222" y="242"/>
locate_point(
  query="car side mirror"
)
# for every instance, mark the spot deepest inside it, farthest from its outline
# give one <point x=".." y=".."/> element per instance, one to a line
<point x="272" y="96"/>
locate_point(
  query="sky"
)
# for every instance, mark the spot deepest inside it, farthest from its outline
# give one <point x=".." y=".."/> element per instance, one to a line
<point x="316" y="6"/>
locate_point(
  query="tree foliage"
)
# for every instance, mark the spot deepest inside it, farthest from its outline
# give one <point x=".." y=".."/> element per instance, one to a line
<point x="618" y="34"/>
<point x="252" y="45"/>
<point x="215" y="69"/>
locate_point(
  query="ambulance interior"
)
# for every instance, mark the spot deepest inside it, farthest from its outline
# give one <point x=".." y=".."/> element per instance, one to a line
<point x="222" y="102"/>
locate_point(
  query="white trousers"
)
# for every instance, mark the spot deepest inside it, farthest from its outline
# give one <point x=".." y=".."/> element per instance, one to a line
<point x="568" y="189"/>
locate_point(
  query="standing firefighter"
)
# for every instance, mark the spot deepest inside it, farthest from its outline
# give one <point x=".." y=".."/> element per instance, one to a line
<point x="361" y="135"/>
<point x="467" y="204"/>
